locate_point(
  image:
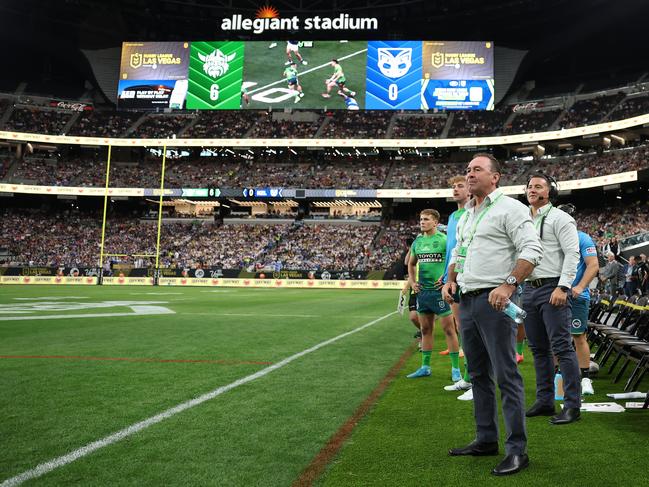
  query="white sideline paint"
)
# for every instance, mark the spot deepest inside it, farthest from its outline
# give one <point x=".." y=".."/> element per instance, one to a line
<point x="137" y="311"/>
<point x="283" y="80"/>
<point x="51" y="298"/>
<point x="254" y="314"/>
<point x="55" y="463"/>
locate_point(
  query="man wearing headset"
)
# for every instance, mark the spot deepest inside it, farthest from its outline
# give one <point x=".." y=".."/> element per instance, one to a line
<point x="545" y="299"/>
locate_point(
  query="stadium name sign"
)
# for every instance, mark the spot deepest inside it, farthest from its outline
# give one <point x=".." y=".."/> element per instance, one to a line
<point x="259" y="26"/>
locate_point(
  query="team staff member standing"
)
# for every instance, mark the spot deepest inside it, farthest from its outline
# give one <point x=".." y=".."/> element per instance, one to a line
<point x="497" y="248"/>
<point x="545" y="299"/>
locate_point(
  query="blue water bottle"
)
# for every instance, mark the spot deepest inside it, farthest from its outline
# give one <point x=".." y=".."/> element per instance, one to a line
<point x="515" y="312"/>
<point x="558" y="387"/>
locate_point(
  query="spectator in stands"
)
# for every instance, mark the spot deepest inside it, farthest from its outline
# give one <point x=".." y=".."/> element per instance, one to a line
<point x="631" y="276"/>
<point x="609" y="274"/>
<point x="643" y="273"/>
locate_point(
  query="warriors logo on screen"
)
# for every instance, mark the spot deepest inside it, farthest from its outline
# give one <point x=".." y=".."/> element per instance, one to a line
<point x="217" y="63"/>
<point x="394" y="63"/>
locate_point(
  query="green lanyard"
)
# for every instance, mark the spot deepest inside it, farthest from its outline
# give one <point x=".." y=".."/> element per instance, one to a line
<point x="541" y="220"/>
<point x="476" y="223"/>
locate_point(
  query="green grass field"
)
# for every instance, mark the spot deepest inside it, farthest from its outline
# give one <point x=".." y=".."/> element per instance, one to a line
<point x="265" y="67"/>
<point x="73" y="381"/>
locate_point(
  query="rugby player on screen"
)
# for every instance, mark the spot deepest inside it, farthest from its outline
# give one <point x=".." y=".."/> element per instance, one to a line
<point x="337" y="79"/>
<point x="350" y="101"/>
<point x="290" y="73"/>
<point x="293" y="47"/>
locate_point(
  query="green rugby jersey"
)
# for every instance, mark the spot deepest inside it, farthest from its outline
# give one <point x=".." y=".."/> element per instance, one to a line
<point x="431" y="257"/>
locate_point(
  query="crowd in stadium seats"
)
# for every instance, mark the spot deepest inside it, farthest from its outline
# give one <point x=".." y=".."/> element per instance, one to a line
<point x="323" y="246"/>
<point x="371" y="172"/>
<point x="592" y="165"/>
<point x="589" y="111"/>
<point x="536" y="121"/>
<point x="267" y="127"/>
<point x="71" y="239"/>
<point x="161" y="126"/>
<point x="616" y="222"/>
<point x="357" y="125"/>
<point x="631" y="107"/>
<point x="37" y="121"/>
<point x="391" y="243"/>
<point x="104" y="124"/>
<point x="35" y="237"/>
<point x="478" y="123"/>
<point x="222" y="124"/>
<point x="418" y="127"/>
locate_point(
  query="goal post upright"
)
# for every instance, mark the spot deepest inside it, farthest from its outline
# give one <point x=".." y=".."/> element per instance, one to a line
<point x="103" y="220"/>
<point x="162" y="185"/>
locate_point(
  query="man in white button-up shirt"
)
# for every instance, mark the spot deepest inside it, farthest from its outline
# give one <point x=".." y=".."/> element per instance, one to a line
<point x="545" y="299"/>
<point x="497" y="248"/>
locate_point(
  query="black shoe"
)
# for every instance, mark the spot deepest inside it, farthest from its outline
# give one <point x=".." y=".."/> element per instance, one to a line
<point x="540" y="410"/>
<point x="511" y="464"/>
<point x="568" y="415"/>
<point x="475" y="449"/>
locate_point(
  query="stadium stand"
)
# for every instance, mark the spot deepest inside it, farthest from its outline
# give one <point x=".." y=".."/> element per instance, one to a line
<point x="104" y="124"/>
<point x="35" y="120"/>
<point x="418" y="126"/>
<point x="590" y="111"/>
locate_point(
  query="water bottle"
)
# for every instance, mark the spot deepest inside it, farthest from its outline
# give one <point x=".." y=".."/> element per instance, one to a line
<point x="515" y="312"/>
<point x="558" y="387"/>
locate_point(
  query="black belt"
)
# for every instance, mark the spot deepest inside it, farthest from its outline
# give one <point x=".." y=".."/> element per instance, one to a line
<point x="478" y="292"/>
<point x="543" y="281"/>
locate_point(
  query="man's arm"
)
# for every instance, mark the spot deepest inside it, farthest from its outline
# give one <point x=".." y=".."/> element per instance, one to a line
<point x="412" y="272"/>
<point x="592" y="268"/>
<point x="569" y="241"/>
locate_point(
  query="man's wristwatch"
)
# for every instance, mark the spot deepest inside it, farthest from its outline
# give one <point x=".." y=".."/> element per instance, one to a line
<point x="565" y="289"/>
<point x="511" y="280"/>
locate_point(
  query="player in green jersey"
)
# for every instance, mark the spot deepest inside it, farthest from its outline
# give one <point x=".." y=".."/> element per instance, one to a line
<point x="429" y="251"/>
<point x="290" y="73"/>
<point x="337" y="79"/>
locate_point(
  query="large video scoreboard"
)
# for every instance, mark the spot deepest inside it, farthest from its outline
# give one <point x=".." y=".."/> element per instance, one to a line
<point x="373" y="75"/>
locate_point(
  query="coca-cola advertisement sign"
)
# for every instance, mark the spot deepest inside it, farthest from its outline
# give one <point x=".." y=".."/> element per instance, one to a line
<point x="73" y="106"/>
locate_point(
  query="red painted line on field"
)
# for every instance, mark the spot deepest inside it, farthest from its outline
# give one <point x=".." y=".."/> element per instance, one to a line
<point x="128" y="359"/>
<point x="314" y="470"/>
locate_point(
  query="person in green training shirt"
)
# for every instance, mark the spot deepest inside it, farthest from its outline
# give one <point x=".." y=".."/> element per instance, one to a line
<point x="337" y="79"/>
<point x="290" y="73"/>
<point x="429" y="251"/>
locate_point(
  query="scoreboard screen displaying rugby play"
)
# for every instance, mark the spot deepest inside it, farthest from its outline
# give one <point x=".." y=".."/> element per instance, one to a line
<point x="353" y="75"/>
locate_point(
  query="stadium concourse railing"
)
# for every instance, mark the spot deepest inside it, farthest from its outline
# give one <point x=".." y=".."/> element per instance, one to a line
<point x="379" y="193"/>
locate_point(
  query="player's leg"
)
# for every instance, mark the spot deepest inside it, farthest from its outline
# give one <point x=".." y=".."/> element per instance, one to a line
<point x="520" y="343"/>
<point x="414" y="317"/>
<point x="426" y="323"/>
<point x="578" y="330"/>
<point x="300" y="58"/>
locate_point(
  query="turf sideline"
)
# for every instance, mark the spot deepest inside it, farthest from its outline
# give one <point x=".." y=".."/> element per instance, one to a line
<point x="63" y="460"/>
<point x="336" y="442"/>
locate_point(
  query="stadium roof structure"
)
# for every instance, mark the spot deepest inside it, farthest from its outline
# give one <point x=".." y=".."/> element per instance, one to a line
<point x="567" y="40"/>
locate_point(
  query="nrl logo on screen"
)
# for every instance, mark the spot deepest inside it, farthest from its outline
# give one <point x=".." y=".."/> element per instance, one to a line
<point x="268" y="18"/>
<point x="136" y="60"/>
<point x="437" y="59"/>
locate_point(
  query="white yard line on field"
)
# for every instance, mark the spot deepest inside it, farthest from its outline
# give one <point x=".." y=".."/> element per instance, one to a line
<point x="55" y="463"/>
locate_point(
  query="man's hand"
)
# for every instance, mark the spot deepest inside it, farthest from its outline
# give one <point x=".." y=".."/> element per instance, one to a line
<point x="498" y="297"/>
<point x="439" y="284"/>
<point x="558" y="298"/>
<point x="415" y="286"/>
<point x="576" y="291"/>
<point x="448" y="290"/>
